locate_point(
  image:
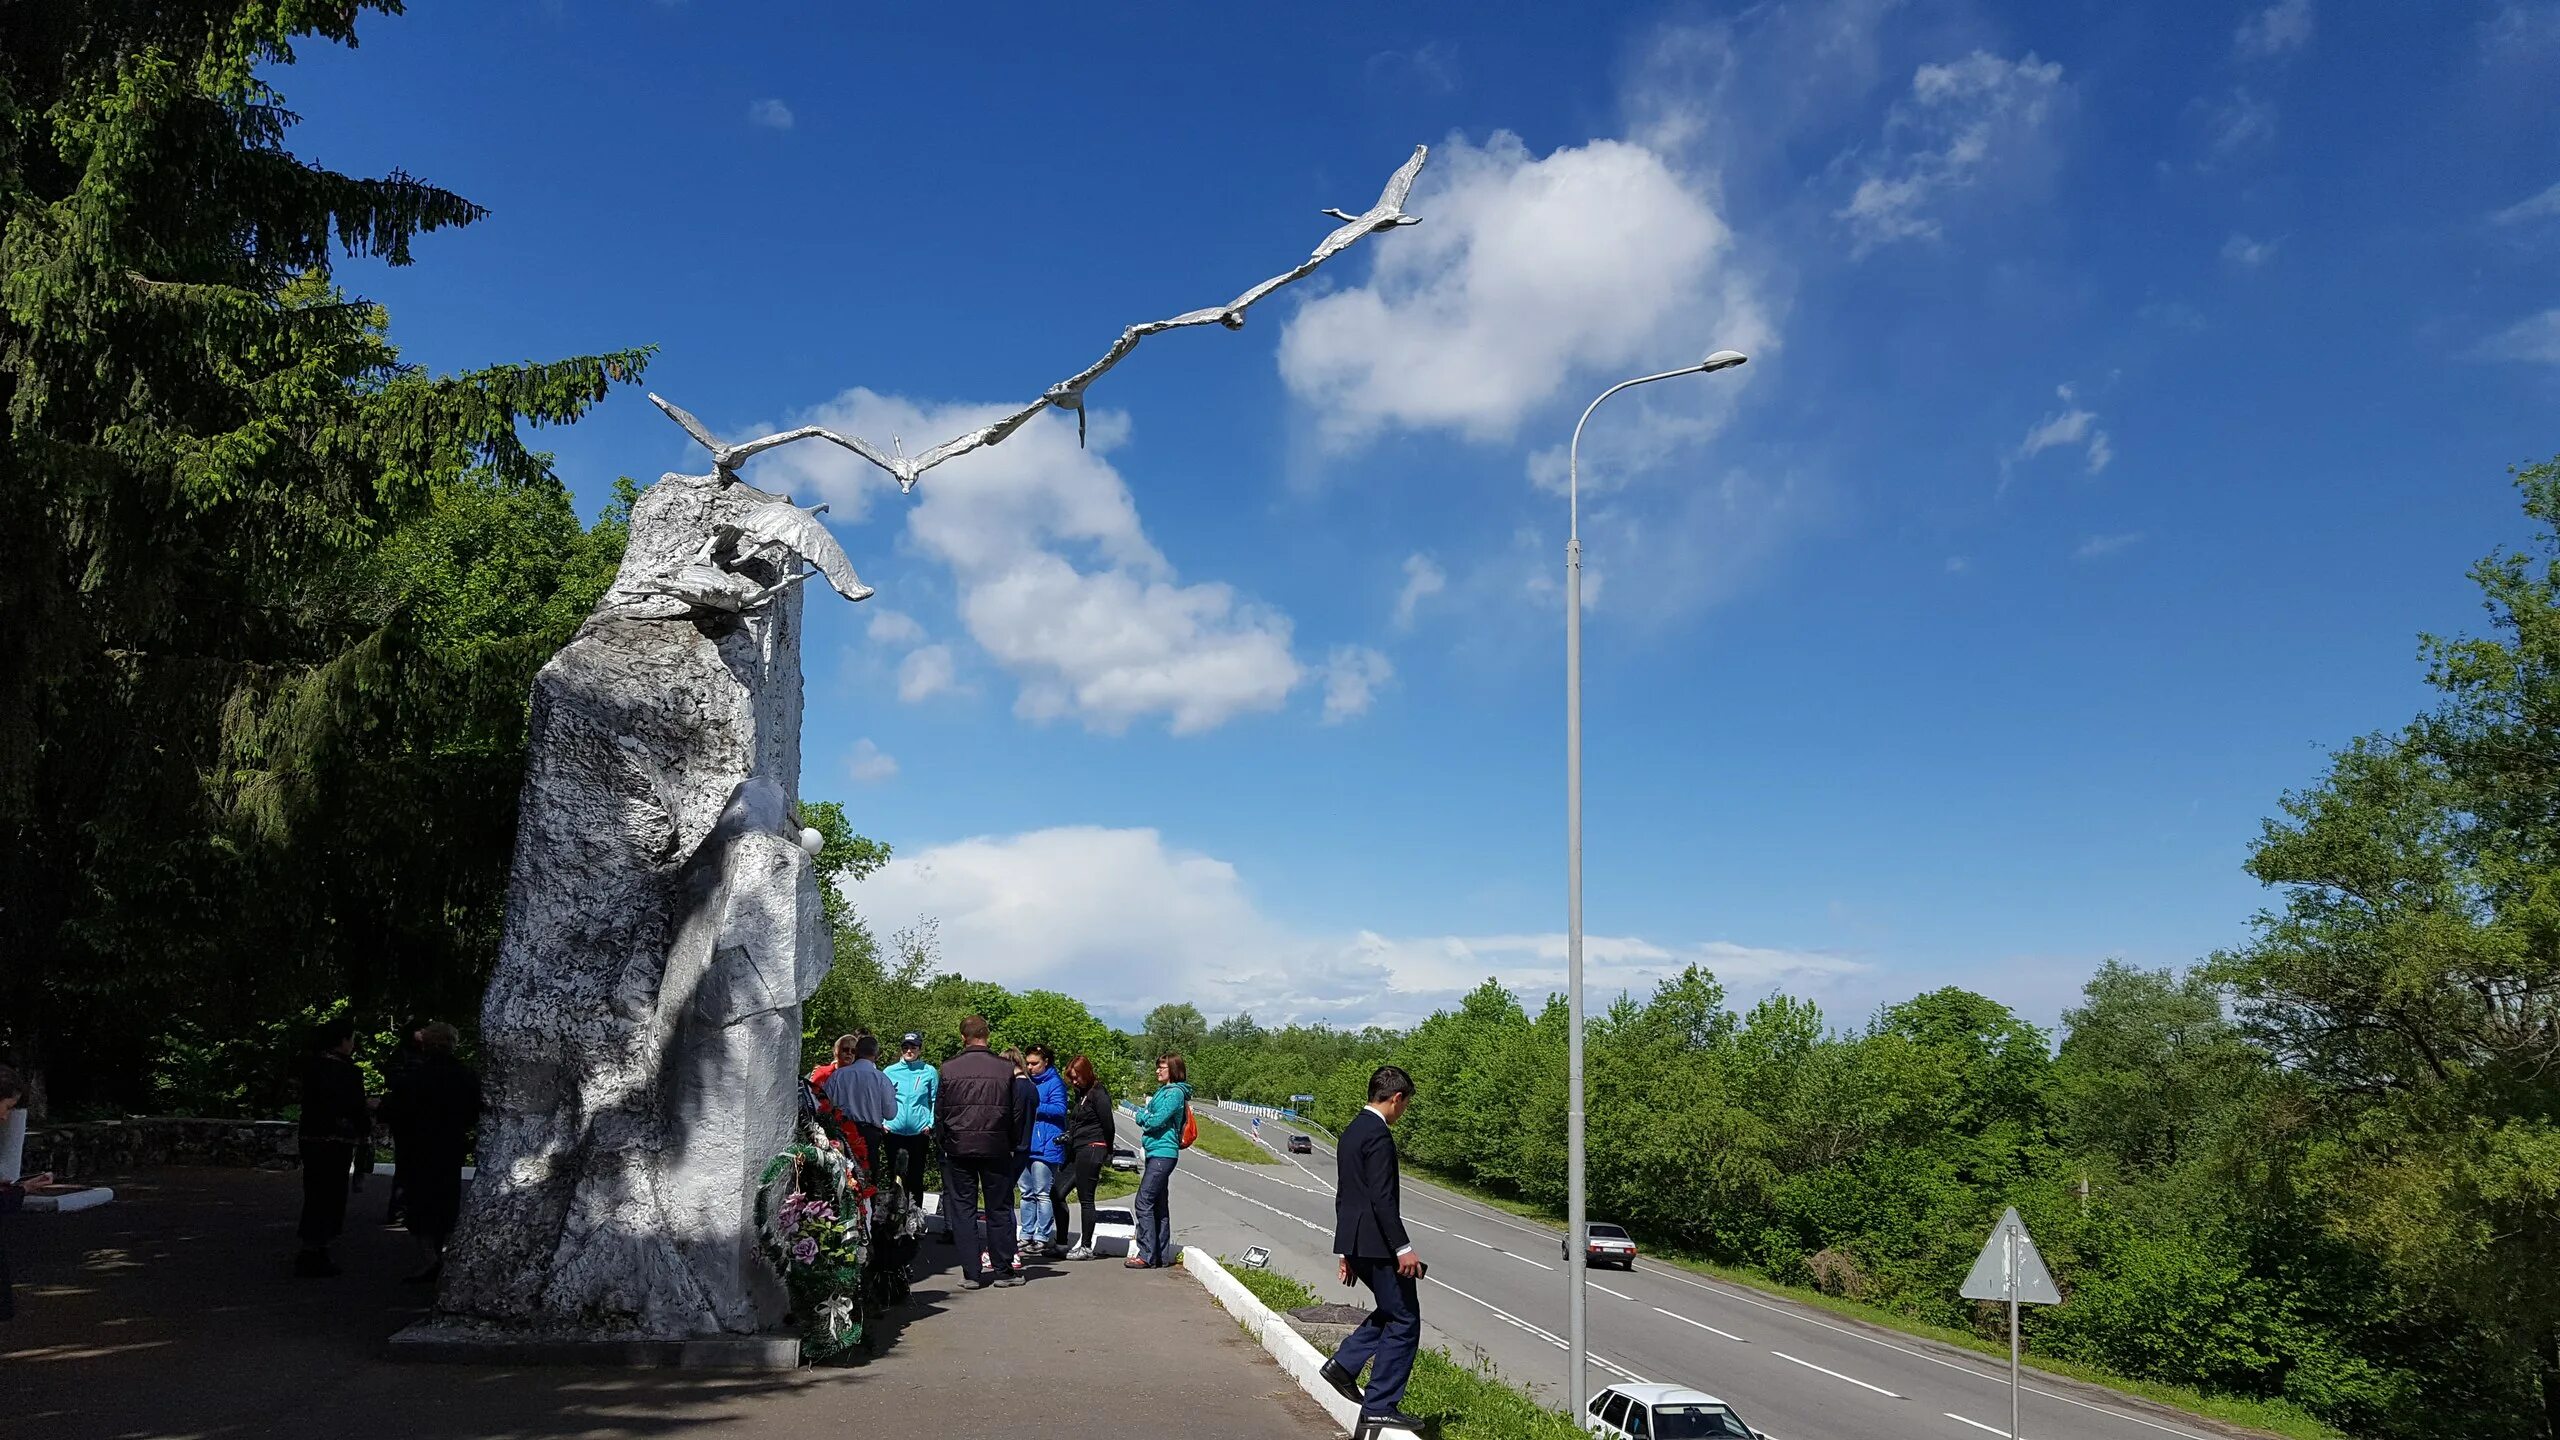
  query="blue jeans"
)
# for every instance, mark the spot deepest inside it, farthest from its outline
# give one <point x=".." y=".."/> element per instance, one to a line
<point x="1155" y="1212"/>
<point x="1039" y="1218"/>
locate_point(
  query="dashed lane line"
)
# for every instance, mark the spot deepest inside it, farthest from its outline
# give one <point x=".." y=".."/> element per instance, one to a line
<point x="1701" y="1324"/>
<point x="1976" y="1424"/>
<point x="1834" y="1374"/>
<point x="1605" y="1290"/>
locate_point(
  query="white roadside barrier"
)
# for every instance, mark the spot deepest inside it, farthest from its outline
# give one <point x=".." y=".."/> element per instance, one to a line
<point x="1296" y="1356"/>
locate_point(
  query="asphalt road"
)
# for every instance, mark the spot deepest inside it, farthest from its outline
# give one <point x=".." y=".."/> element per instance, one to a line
<point x="1497" y="1288"/>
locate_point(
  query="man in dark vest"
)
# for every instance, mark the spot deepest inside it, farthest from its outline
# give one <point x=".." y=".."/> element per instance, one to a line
<point x="1369" y="1236"/>
<point x="978" y="1115"/>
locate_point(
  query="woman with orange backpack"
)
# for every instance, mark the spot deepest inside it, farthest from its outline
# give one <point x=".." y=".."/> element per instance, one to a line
<point x="1165" y="1128"/>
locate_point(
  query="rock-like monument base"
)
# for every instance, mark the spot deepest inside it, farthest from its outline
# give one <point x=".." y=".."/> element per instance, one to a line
<point x="642" y="1027"/>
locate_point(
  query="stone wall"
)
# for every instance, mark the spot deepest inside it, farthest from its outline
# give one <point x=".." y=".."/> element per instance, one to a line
<point x="115" y="1147"/>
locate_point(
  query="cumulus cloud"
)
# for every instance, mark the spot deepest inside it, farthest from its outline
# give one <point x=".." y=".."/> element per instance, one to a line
<point x="2534" y="340"/>
<point x="1960" y="120"/>
<point x="1057" y="579"/>
<point x="2099" y="546"/>
<point x="871" y="764"/>
<point x="927" y="672"/>
<point x="1352" y="676"/>
<point x="1423" y="578"/>
<point x="894" y="627"/>
<point x="2071" y="426"/>
<point x="770" y="114"/>
<point x="1126" y="921"/>
<point x="2283" y="26"/>
<point x="2246" y="253"/>
<point x="1529" y="274"/>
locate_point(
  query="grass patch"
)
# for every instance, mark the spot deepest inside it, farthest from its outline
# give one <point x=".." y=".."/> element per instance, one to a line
<point x="1219" y="1142"/>
<point x="1470" y="1402"/>
<point x="1114" y="1185"/>
<point x="2275" y="1417"/>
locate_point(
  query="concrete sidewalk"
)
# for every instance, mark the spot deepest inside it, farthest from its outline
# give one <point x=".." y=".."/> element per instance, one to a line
<point x="172" y="1313"/>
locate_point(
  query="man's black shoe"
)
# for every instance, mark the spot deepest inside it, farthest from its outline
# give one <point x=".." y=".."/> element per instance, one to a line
<point x="1396" y="1419"/>
<point x="1343" y="1381"/>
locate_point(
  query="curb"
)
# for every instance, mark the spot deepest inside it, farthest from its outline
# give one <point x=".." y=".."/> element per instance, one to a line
<point x="1298" y="1358"/>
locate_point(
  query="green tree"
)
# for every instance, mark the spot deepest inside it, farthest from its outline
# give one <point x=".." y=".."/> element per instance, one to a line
<point x="2412" y="974"/>
<point x="207" y="441"/>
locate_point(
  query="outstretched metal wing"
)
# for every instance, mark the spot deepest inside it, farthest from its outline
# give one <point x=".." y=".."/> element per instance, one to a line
<point x="800" y="532"/>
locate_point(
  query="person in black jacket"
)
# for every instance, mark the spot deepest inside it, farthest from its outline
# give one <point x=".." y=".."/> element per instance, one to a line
<point x="1090" y="1131"/>
<point x="978" y="1115"/>
<point x="13" y="1193"/>
<point x="433" y="1107"/>
<point x="1370" y="1238"/>
<point x="335" y="1120"/>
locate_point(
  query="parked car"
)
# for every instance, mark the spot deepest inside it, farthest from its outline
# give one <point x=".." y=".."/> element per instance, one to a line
<point x="1301" y="1145"/>
<point x="1123" y="1158"/>
<point x="1609" y="1245"/>
<point x="1664" y="1412"/>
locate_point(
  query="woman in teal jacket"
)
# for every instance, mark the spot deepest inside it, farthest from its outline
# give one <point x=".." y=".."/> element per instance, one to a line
<point x="1160" y="1132"/>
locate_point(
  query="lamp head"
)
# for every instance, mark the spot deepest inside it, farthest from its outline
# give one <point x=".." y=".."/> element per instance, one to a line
<point x="1721" y="360"/>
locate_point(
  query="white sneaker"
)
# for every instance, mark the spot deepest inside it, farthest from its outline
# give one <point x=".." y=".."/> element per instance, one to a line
<point x="1081" y="1252"/>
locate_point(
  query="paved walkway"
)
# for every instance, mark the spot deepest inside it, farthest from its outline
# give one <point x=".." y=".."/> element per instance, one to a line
<point x="171" y="1313"/>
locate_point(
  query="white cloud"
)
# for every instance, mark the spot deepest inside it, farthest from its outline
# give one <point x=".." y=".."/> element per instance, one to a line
<point x="2544" y="206"/>
<point x="871" y="765"/>
<point x="1423" y="578"/>
<point x="2534" y="339"/>
<point x="1125" y="922"/>
<point x="1960" y="120"/>
<point x="1057" y="579"/>
<point x="1528" y="275"/>
<point x="2285" y="25"/>
<point x="2236" y="126"/>
<point x="2098" y="546"/>
<point x="1958" y="564"/>
<point x="894" y="627"/>
<point x="2072" y="425"/>
<point x="2248" y="254"/>
<point x="770" y="114"/>
<point x="1352" y="677"/>
<point x="926" y="673"/>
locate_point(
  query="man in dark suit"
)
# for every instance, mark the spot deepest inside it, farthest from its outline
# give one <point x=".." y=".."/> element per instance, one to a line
<point x="1369" y="1236"/>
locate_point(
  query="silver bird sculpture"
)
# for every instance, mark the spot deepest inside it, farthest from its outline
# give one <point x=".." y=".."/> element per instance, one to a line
<point x="1068" y="394"/>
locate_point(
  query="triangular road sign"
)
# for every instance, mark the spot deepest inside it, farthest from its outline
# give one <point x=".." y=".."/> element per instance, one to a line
<point x="1992" y="1274"/>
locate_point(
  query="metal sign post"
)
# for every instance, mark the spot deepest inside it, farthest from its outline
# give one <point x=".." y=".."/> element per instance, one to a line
<point x="2010" y="1270"/>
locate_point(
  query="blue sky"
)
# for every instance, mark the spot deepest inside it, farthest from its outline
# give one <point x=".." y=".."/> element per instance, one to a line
<point x="2127" y="391"/>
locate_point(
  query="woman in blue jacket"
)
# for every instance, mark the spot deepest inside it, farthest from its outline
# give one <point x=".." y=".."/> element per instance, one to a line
<point x="1160" y="1132"/>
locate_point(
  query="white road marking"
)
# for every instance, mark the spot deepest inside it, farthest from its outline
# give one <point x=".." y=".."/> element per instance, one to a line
<point x="1427" y="1225"/>
<point x="1976" y="1424"/>
<point x="1605" y="1290"/>
<point x="1525" y="1260"/>
<point x="1470" y="1239"/>
<point x="1604" y="1362"/>
<point x="1834" y="1374"/>
<point x="1701" y="1324"/>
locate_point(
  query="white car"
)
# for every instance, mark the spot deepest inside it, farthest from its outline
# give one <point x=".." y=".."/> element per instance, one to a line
<point x="1664" y="1412"/>
<point x="1123" y="1158"/>
<point x="1608" y="1245"/>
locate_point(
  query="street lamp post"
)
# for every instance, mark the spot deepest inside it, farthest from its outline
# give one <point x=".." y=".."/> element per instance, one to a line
<point x="1577" y="1222"/>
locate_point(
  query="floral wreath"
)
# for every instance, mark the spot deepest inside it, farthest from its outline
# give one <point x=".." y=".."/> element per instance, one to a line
<point x="818" y="1240"/>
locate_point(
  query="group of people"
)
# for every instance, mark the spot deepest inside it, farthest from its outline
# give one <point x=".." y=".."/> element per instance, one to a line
<point x="1018" y="1133"/>
<point x="430" y="1105"/>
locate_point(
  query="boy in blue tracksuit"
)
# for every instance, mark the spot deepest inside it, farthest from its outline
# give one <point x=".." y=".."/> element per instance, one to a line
<point x="1048" y="1152"/>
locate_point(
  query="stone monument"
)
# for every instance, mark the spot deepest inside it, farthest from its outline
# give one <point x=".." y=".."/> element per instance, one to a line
<point x="642" y="1027"/>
